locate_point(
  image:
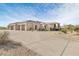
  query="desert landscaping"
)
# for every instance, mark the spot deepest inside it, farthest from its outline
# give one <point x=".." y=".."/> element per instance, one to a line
<point x="10" y="47"/>
<point x="39" y="43"/>
<point x="39" y="29"/>
<point x="57" y="41"/>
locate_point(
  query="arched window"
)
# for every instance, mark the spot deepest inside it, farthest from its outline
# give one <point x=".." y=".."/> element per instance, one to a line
<point x="23" y="27"/>
<point x="35" y="27"/>
<point x="45" y="26"/>
<point x="54" y="25"/>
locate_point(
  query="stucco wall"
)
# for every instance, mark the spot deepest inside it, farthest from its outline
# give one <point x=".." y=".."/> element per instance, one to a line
<point x="33" y="26"/>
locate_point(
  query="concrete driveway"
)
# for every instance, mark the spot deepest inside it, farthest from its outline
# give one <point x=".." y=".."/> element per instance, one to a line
<point x="47" y="43"/>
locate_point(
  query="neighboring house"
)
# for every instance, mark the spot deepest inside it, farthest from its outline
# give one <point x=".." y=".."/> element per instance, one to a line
<point x="33" y="25"/>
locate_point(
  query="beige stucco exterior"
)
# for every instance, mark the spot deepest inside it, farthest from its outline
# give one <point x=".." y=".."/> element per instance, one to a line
<point x="33" y="25"/>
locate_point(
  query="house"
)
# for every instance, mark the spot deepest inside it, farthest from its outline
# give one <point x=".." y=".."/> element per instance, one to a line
<point x="33" y="25"/>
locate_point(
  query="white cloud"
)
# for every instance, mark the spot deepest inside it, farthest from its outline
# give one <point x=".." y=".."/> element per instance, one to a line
<point x="65" y="14"/>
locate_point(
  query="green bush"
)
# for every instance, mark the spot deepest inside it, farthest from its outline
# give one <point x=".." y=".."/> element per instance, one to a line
<point x="3" y="28"/>
<point x="77" y="30"/>
<point x="69" y="28"/>
<point x="42" y="30"/>
<point x="64" y="30"/>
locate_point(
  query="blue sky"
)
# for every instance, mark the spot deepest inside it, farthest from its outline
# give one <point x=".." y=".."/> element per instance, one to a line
<point x="51" y="12"/>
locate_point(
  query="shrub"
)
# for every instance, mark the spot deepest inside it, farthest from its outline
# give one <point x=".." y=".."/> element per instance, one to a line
<point x="77" y="30"/>
<point x="69" y="28"/>
<point x="64" y="30"/>
<point x="42" y="30"/>
<point x="3" y="28"/>
<point x="4" y="37"/>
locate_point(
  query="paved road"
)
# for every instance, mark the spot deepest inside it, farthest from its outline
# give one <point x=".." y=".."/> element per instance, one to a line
<point x="47" y="43"/>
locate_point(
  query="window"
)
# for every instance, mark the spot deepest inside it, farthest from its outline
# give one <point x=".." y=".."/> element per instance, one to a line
<point x="23" y="27"/>
<point x="54" y="25"/>
<point x="45" y="26"/>
<point x="35" y="27"/>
